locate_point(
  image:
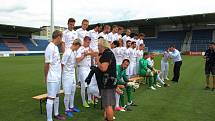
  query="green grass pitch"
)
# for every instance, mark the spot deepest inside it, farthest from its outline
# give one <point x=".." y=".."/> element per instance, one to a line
<point x="21" y="78"/>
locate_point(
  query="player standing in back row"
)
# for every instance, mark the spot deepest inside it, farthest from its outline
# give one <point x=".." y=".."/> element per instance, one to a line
<point x="69" y="35"/>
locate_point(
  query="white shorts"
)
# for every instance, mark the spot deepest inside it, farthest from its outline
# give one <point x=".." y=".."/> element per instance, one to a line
<point x="53" y="88"/>
<point x="83" y="73"/>
<point x="94" y="90"/>
<point x="69" y="84"/>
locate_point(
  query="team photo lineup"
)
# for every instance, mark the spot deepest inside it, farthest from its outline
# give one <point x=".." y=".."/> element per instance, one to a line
<point x="103" y="62"/>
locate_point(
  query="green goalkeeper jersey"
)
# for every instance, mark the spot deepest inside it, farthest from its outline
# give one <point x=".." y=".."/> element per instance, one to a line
<point x="121" y="75"/>
<point x="143" y="66"/>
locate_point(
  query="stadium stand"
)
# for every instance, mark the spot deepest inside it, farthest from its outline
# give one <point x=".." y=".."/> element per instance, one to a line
<point x="3" y="47"/>
<point x="14" y="44"/>
<point x="164" y="40"/>
<point x="40" y="44"/>
<point x="200" y="39"/>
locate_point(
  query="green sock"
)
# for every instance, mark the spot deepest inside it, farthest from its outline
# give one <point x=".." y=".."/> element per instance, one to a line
<point x="129" y="91"/>
<point x="150" y="81"/>
<point x="122" y="98"/>
<point x="155" y="79"/>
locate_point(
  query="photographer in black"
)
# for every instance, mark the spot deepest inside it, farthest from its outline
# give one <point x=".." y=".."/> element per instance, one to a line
<point x="106" y="77"/>
<point x="210" y="65"/>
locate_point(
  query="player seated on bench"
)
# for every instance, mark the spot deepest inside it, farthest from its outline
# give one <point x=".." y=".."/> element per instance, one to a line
<point x="146" y="70"/>
<point x="123" y="85"/>
<point x="156" y="73"/>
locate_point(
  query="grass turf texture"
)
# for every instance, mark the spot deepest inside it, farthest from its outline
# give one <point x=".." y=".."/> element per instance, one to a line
<point x="22" y="77"/>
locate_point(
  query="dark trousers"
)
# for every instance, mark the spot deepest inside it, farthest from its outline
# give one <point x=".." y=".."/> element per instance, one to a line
<point x="176" y="71"/>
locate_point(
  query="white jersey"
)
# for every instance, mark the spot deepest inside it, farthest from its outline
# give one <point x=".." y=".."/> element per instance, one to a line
<point x="86" y="62"/>
<point x="139" y="55"/>
<point x="125" y="38"/>
<point x="140" y="41"/>
<point x="118" y="36"/>
<point x="69" y="61"/>
<point x="150" y="62"/>
<point x="69" y="37"/>
<point x="112" y="37"/>
<point x="176" y="56"/>
<point x="82" y="33"/>
<point x="133" y="55"/>
<point x="94" y="40"/>
<point x="102" y="34"/>
<point x="127" y="53"/>
<point x="52" y="57"/>
<point x="134" y="40"/>
<point x="119" y="54"/>
<point x="165" y="57"/>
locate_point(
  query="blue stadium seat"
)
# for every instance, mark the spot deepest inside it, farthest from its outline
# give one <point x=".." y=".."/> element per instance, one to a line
<point x="42" y="44"/>
<point x="200" y="40"/>
<point x="3" y="47"/>
<point x="164" y="40"/>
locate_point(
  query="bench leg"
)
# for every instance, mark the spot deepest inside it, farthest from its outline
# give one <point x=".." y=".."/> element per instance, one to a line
<point x="41" y="108"/>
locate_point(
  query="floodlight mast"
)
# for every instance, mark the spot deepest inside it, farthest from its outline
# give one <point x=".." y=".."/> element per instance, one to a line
<point x="52" y="17"/>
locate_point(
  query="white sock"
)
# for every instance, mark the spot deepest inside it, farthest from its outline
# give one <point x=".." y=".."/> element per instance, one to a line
<point x="89" y="94"/>
<point x="56" y="106"/>
<point x="72" y="96"/>
<point x="165" y="74"/>
<point x="89" y="97"/>
<point x="66" y="101"/>
<point x="83" y="92"/>
<point x="117" y="99"/>
<point x="162" y="75"/>
<point x="49" y="107"/>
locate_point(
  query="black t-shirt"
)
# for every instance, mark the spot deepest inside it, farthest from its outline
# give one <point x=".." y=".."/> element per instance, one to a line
<point x="108" y="56"/>
<point x="207" y="55"/>
<point x="210" y="57"/>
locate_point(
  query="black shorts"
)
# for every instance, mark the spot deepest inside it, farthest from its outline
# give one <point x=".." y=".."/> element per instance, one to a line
<point x="209" y="69"/>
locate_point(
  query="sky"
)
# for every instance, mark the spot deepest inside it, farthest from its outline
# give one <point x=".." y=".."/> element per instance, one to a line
<point x="36" y="13"/>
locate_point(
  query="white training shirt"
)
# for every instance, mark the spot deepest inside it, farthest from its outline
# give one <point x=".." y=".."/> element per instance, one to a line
<point x="86" y="62"/>
<point x="139" y="55"/>
<point x="133" y="55"/>
<point x="119" y="54"/>
<point x="94" y="40"/>
<point x="69" y="61"/>
<point x="69" y="37"/>
<point x="102" y="34"/>
<point x="138" y="42"/>
<point x="127" y="53"/>
<point x="112" y="37"/>
<point x="52" y="57"/>
<point x="82" y="33"/>
<point x="175" y="55"/>
<point x="150" y="62"/>
<point x="118" y="36"/>
<point x="165" y="57"/>
<point x="125" y="38"/>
